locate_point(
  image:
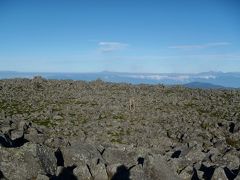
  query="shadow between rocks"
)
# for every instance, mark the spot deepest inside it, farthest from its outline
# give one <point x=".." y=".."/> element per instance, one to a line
<point x="231" y="127"/>
<point x="66" y="173"/>
<point x="176" y="154"/>
<point x="123" y="173"/>
<point x="231" y="174"/>
<point x="7" y="142"/>
<point x="195" y="175"/>
<point x="207" y="171"/>
<point x="59" y="156"/>
<point x="1" y="175"/>
<point x="140" y="161"/>
<point x="19" y="142"/>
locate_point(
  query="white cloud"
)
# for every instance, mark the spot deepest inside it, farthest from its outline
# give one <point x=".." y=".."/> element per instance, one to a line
<point x="159" y="77"/>
<point x="207" y="77"/>
<point x="199" y="46"/>
<point x="111" y="46"/>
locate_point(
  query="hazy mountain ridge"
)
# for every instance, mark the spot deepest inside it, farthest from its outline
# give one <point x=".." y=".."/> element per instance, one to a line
<point x="229" y="79"/>
<point x="203" y="85"/>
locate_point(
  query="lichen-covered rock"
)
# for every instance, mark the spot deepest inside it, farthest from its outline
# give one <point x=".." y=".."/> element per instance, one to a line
<point x="19" y="163"/>
<point x="219" y="174"/>
<point x="42" y="177"/>
<point x="47" y="159"/>
<point x="16" y="134"/>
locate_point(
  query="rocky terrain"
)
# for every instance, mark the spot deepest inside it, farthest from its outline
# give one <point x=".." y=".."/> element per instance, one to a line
<point x="68" y="129"/>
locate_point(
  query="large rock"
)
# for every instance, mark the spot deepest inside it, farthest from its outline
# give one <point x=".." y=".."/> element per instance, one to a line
<point x="232" y="160"/>
<point x="47" y="159"/>
<point x="20" y="163"/>
<point x="219" y="174"/>
<point x="16" y="134"/>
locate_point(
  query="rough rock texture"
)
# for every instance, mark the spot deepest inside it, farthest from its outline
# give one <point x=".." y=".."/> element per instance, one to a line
<point x="78" y="130"/>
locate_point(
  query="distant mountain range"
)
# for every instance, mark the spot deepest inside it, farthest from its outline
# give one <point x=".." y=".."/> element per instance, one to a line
<point x="203" y="85"/>
<point x="198" y="80"/>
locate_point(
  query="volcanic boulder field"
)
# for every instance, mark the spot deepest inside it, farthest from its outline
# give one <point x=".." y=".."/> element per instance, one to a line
<point x="64" y="129"/>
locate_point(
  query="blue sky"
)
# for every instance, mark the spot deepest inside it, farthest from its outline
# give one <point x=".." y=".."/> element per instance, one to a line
<point x="120" y="35"/>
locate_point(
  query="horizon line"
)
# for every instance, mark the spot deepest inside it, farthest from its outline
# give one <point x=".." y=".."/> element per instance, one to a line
<point x="106" y="71"/>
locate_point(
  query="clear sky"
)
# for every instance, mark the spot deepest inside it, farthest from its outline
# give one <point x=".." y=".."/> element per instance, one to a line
<point x="120" y="35"/>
